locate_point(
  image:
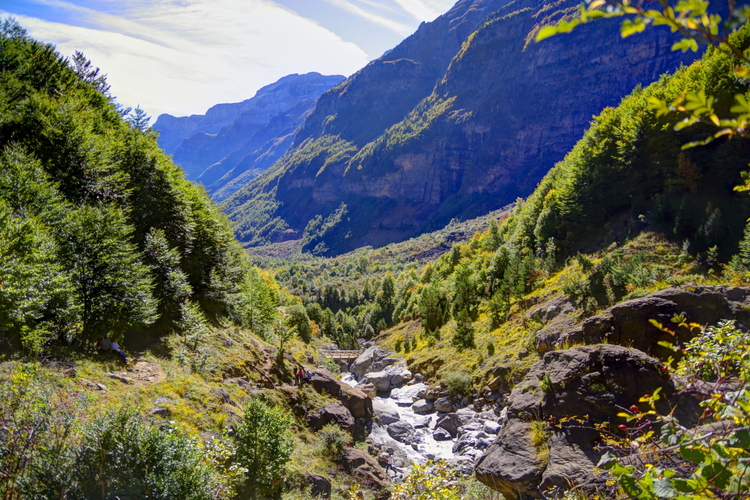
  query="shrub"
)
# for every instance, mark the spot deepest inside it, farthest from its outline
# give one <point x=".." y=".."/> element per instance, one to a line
<point x="457" y="383"/>
<point x="124" y="457"/>
<point x="333" y="439"/>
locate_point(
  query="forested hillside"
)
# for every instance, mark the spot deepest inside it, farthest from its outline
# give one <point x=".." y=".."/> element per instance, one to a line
<point x="101" y="233"/>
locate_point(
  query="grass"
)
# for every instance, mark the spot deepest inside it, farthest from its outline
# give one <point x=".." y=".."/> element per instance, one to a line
<point x="539" y="437"/>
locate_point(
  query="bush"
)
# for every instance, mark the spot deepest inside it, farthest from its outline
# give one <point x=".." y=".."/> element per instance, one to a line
<point x="458" y="383"/>
<point x="333" y="439"/>
<point x="124" y="457"/>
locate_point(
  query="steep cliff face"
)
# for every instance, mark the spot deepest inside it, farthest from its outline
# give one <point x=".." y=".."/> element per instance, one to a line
<point x="239" y="129"/>
<point x="503" y="111"/>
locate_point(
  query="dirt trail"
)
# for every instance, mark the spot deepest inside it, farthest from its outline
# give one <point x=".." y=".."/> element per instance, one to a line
<point x="142" y="372"/>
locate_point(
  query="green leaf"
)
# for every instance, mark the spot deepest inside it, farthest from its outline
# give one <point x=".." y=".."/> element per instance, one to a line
<point x="663" y="488"/>
<point x="686" y="44"/>
<point x="631" y="27"/>
<point x="546" y="32"/>
<point x="693" y="454"/>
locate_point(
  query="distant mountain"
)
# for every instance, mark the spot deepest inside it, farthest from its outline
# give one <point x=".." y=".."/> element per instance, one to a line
<point x="252" y="133"/>
<point x="461" y="118"/>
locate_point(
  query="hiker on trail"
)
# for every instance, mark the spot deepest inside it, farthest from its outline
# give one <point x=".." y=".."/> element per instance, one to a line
<point x="308" y="376"/>
<point x="103" y="345"/>
<point x="300" y="375"/>
<point x="116" y="349"/>
<point x="389" y="464"/>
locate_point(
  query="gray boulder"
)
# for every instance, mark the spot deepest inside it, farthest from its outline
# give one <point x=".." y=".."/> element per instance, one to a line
<point x="384" y="413"/>
<point x="443" y="405"/>
<point x="401" y="431"/>
<point x="380" y="380"/>
<point x="629" y="323"/>
<point x="364" y="363"/>
<point x="320" y="486"/>
<point x="597" y="381"/>
<point x="355" y="400"/>
<point x="441" y="434"/>
<point x="491" y="427"/>
<point x="450" y="422"/>
<point x="364" y="468"/>
<point x="422" y="407"/>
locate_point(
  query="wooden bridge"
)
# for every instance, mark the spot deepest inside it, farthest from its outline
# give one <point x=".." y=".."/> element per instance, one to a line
<point x="340" y="354"/>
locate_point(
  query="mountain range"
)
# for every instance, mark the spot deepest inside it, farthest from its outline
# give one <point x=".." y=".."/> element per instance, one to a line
<point x="461" y="118"/>
<point x="232" y="143"/>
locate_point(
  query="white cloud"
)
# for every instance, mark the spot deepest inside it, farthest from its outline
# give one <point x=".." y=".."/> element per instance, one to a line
<point x="426" y="10"/>
<point x="395" y="26"/>
<point x="182" y="56"/>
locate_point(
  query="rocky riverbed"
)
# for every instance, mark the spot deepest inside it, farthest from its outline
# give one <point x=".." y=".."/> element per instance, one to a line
<point x="414" y="423"/>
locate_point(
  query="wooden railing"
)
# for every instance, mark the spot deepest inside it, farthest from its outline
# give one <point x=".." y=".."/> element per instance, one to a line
<point x="340" y="354"/>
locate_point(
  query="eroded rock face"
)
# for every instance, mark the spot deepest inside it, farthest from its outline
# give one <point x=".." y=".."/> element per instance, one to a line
<point x="364" y="467"/>
<point x="628" y="323"/>
<point x="369" y="361"/>
<point x="331" y="413"/>
<point x="597" y="381"/>
<point x="356" y="401"/>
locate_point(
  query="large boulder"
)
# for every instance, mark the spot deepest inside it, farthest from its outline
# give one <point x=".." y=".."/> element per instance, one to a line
<point x="401" y="431"/>
<point x="444" y="405"/>
<point x="371" y="359"/>
<point x="320" y="486"/>
<point x="629" y="323"/>
<point x="355" y="400"/>
<point x="512" y="465"/>
<point x="422" y="407"/>
<point x="381" y="380"/>
<point x="331" y="413"/>
<point x="595" y="381"/>
<point x="450" y="422"/>
<point x="365" y="468"/>
<point x="384" y="413"/>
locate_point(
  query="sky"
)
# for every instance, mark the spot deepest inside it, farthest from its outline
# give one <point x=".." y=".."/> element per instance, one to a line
<point x="183" y="56"/>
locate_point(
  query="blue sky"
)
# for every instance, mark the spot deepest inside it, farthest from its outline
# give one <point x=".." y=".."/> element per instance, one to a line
<point x="182" y="56"/>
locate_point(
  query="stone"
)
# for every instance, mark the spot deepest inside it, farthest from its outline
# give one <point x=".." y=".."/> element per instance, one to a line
<point x="320" y="486"/>
<point x="162" y="400"/>
<point x="443" y="405"/>
<point x="381" y="380"/>
<point x="358" y="403"/>
<point x="227" y="342"/>
<point x="331" y="413"/>
<point x="368" y="389"/>
<point x="224" y="397"/>
<point x="629" y="323"/>
<point x="384" y="413"/>
<point x="491" y="427"/>
<point x="450" y="422"/>
<point x="364" y="362"/>
<point x="121" y="378"/>
<point x="365" y="468"/>
<point x="466" y="416"/>
<point x="401" y="431"/>
<point x="597" y="381"/>
<point x="400" y="375"/>
<point x="422" y="407"/>
<point x="441" y="434"/>
<point x="510" y="465"/>
<point x="161" y="411"/>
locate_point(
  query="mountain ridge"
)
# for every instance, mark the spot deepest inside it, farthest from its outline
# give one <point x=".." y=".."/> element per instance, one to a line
<point x="486" y="133"/>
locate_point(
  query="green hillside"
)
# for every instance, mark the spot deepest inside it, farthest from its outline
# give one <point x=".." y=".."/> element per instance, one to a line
<point x="101" y="233"/>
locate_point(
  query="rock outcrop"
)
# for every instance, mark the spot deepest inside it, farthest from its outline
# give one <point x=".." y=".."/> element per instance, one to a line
<point x="365" y="468"/>
<point x="331" y="413"/>
<point x="356" y="401"/>
<point x="629" y="323"/>
<point x="595" y="381"/>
